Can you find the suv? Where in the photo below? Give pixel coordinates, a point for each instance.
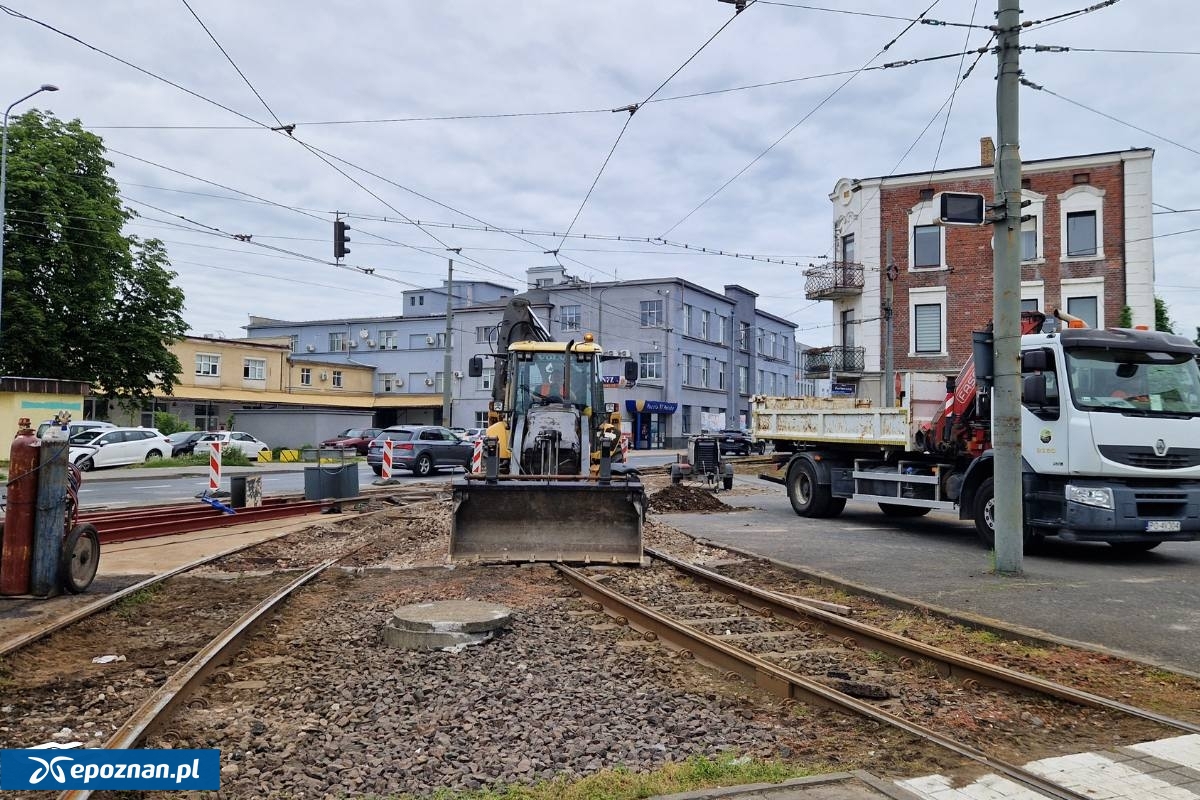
(423, 449)
(739, 441)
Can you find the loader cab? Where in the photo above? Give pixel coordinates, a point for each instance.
(562, 377)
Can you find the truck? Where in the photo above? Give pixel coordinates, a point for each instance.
(554, 485)
(1110, 427)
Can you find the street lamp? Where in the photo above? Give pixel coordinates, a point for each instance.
(45, 87)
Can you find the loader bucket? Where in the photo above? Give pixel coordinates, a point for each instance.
(522, 518)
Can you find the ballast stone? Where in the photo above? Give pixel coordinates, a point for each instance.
(445, 624)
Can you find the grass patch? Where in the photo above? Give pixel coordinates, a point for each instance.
(985, 637)
(697, 772)
(127, 607)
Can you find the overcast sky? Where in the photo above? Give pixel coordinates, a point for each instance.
(320, 61)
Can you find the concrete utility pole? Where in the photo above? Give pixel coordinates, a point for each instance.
(1006, 299)
(447, 375)
(889, 358)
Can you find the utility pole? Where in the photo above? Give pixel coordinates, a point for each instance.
(889, 360)
(1006, 297)
(447, 375)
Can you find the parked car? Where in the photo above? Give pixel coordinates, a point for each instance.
(422, 449)
(473, 434)
(358, 438)
(76, 426)
(236, 439)
(740, 442)
(112, 447)
(183, 443)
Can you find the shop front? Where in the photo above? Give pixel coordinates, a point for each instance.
(651, 420)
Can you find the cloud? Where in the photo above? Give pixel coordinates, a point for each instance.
(319, 61)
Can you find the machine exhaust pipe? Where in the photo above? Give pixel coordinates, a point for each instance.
(1070, 320)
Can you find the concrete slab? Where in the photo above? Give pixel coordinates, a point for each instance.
(446, 624)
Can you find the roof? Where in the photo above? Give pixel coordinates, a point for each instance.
(1024, 163)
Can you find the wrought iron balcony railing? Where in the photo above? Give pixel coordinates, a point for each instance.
(833, 280)
(819, 361)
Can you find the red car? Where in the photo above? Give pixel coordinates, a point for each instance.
(358, 438)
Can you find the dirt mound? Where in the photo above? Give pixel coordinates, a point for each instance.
(680, 497)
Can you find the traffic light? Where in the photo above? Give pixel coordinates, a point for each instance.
(340, 238)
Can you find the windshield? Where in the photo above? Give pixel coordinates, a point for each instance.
(1141, 381)
(541, 379)
(181, 436)
(86, 437)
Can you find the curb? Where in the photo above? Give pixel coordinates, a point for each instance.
(765, 791)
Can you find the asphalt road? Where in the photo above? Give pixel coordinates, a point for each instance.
(1147, 605)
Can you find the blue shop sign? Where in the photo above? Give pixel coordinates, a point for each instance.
(650, 407)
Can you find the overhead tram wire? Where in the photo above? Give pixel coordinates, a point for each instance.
(632, 109)
(802, 120)
(935, 22)
(959, 78)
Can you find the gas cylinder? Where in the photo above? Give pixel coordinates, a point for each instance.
(16, 550)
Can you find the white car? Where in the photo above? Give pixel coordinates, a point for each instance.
(237, 439)
(112, 447)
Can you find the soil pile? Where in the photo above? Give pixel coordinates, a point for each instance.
(680, 497)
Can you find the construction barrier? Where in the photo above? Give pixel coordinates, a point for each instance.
(477, 457)
(387, 460)
(214, 467)
(289, 455)
(624, 446)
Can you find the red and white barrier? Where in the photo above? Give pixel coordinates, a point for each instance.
(214, 467)
(624, 447)
(387, 460)
(477, 457)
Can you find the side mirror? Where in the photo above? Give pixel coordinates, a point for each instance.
(475, 367)
(631, 371)
(1033, 389)
(1034, 361)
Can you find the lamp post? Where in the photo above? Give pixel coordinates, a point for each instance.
(45, 87)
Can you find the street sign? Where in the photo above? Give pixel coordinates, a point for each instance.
(842, 389)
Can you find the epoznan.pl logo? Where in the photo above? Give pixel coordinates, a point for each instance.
(111, 769)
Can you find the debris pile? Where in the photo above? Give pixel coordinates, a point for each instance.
(681, 497)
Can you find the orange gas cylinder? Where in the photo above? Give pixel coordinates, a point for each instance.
(16, 552)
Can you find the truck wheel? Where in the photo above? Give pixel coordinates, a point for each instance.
(808, 497)
(894, 510)
(1134, 547)
(985, 520)
(79, 559)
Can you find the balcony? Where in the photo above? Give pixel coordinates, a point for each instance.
(833, 280)
(821, 360)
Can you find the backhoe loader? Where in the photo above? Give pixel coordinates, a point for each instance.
(553, 487)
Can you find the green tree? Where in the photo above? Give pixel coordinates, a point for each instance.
(1162, 319)
(167, 423)
(1126, 318)
(82, 301)
(1197, 339)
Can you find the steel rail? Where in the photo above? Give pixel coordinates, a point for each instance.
(149, 527)
(785, 683)
(950, 664)
(175, 690)
(84, 611)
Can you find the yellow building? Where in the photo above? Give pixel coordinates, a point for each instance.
(38, 399)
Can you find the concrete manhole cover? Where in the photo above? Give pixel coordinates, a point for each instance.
(446, 624)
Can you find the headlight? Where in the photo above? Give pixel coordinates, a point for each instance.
(1090, 496)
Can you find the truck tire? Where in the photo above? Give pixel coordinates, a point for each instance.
(985, 521)
(894, 510)
(808, 497)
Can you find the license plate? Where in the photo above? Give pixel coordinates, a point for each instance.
(731, 440)
(1163, 526)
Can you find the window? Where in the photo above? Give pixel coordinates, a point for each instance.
(743, 335)
(773, 344)
(650, 365)
(543, 282)
(1030, 304)
(783, 385)
(254, 369)
(722, 329)
(743, 378)
(927, 246)
(1082, 222)
(481, 419)
(293, 343)
(760, 338)
(1086, 308)
(704, 318)
(207, 364)
(484, 382)
(721, 374)
(704, 365)
(761, 383)
(687, 370)
(927, 328)
(388, 340)
(337, 341)
(1029, 239)
(305, 376)
(686, 420)
(848, 327)
(387, 381)
(570, 318)
(1081, 233)
(848, 248)
(652, 313)
(483, 333)
(337, 379)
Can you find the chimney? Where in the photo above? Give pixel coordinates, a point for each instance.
(987, 152)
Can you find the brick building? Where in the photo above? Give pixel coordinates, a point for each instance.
(1085, 249)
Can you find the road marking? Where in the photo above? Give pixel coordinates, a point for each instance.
(154, 486)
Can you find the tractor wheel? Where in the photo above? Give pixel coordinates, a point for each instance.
(79, 559)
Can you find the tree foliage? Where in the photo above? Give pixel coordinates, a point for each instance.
(1162, 319)
(82, 300)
